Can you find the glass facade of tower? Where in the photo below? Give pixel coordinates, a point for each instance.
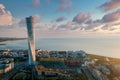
(31, 51)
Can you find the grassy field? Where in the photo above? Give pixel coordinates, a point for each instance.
(104, 60)
(50, 59)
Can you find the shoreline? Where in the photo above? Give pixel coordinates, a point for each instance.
(10, 39)
(2, 44)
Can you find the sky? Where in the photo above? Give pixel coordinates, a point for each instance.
(60, 18)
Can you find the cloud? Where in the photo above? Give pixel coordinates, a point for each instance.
(36, 18)
(69, 26)
(111, 17)
(18, 27)
(5, 16)
(83, 22)
(35, 3)
(110, 5)
(111, 26)
(65, 26)
(60, 19)
(22, 23)
(2, 6)
(107, 22)
(81, 17)
(65, 5)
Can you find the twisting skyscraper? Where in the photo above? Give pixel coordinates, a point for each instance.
(31, 51)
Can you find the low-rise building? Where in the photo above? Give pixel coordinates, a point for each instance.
(104, 69)
(6, 65)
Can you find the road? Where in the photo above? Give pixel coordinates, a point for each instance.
(88, 74)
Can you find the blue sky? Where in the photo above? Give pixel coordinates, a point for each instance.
(61, 18)
(21, 8)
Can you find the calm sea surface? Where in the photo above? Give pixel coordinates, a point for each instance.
(108, 46)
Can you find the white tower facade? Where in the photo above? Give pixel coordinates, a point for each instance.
(31, 44)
